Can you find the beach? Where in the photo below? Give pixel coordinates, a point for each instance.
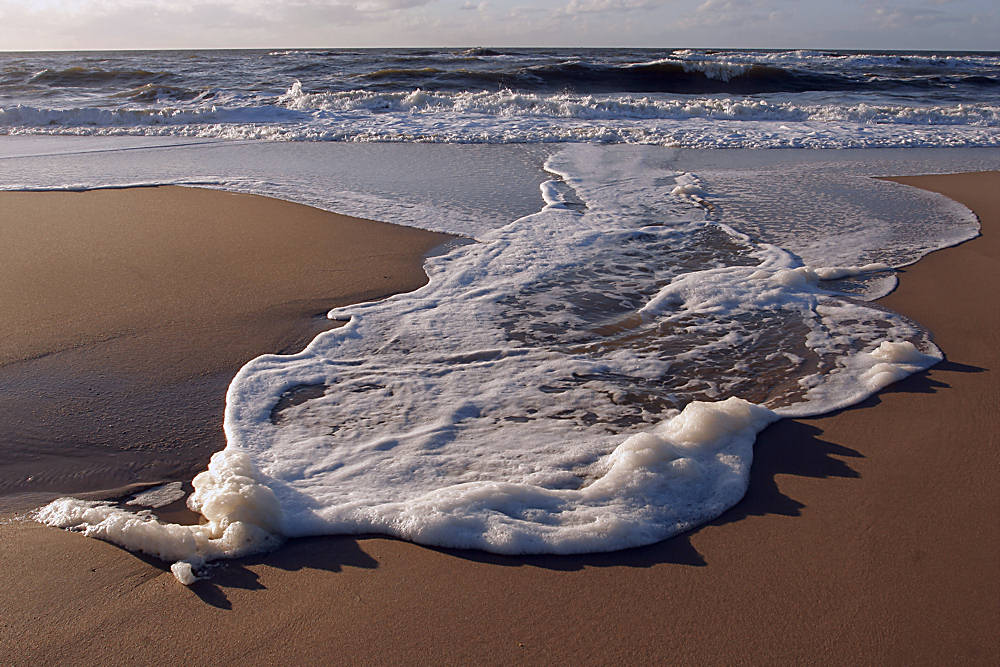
(129, 311)
(866, 536)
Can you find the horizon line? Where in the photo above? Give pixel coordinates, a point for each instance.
(497, 46)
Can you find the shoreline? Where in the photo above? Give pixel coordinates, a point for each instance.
(865, 537)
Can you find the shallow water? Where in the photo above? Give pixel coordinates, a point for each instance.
(528, 398)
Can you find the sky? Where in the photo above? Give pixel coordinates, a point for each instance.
(158, 24)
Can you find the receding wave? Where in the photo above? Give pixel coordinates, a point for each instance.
(571, 384)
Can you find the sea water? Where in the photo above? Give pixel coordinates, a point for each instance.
(591, 373)
(675, 97)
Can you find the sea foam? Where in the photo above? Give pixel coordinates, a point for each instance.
(588, 378)
(517, 116)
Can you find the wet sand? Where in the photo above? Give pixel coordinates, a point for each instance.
(867, 537)
(127, 312)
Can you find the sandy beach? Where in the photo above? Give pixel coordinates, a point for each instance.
(127, 313)
(867, 536)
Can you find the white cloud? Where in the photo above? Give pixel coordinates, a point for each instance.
(740, 14)
(111, 24)
(601, 6)
(903, 15)
(381, 5)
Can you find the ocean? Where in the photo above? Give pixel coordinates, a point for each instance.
(668, 97)
(673, 249)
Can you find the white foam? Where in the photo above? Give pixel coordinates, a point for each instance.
(184, 572)
(860, 375)
(838, 272)
(894, 361)
(506, 116)
(242, 516)
(690, 187)
(571, 383)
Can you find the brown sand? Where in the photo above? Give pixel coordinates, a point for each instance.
(127, 312)
(867, 537)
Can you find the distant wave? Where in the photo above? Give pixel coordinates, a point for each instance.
(481, 52)
(85, 76)
(152, 92)
(662, 76)
(666, 75)
(401, 73)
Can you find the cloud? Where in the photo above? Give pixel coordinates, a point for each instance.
(732, 13)
(122, 24)
(113, 24)
(900, 16)
(681, 14)
(338, 8)
(602, 6)
(381, 5)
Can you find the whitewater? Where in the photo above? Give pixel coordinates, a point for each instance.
(587, 378)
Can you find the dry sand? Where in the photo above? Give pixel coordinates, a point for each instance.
(867, 537)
